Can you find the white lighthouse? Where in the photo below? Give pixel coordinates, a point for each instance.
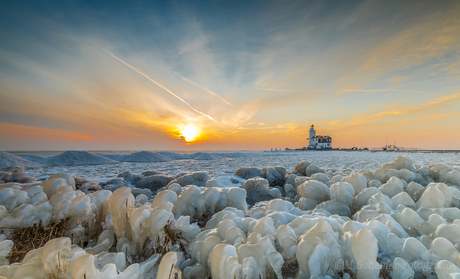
(318, 142)
(312, 135)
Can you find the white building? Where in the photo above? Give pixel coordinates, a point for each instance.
(318, 142)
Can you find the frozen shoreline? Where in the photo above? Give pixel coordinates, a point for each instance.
(308, 213)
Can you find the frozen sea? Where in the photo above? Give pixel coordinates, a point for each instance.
(226, 163)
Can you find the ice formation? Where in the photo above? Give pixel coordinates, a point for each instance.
(307, 222)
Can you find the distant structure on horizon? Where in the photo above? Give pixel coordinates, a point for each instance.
(318, 142)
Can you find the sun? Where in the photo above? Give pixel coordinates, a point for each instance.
(189, 132)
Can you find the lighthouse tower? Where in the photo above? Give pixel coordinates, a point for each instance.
(311, 143)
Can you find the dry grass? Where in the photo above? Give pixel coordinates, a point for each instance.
(30, 238)
(202, 221)
(385, 271)
(171, 237)
(346, 270)
(60, 268)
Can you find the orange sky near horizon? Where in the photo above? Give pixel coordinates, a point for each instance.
(219, 78)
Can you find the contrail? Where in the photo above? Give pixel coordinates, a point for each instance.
(205, 89)
(149, 78)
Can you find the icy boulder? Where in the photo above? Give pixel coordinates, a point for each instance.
(166, 269)
(11, 198)
(54, 184)
(452, 177)
(302, 166)
(415, 190)
(199, 201)
(362, 198)
(443, 249)
(315, 190)
(16, 174)
(114, 184)
(318, 251)
(365, 249)
(248, 173)
(259, 260)
(436, 169)
(275, 176)
(121, 204)
(393, 187)
(448, 231)
(320, 177)
(224, 262)
(312, 169)
(258, 189)
(404, 162)
(402, 269)
(342, 191)
(447, 270)
(131, 177)
(198, 178)
(358, 181)
(435, 196)
(154, 182)
(404, 199)
(335, 207)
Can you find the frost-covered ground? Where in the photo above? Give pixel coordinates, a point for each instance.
(282, 214)
(228, 163)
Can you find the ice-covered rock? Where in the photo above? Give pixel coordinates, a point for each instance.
(199, 201)
(154, 182)
(335, 207)
(318, 251)
(436, 196)
(315, 190)
(198, 178)
(404, 162)
(248, 173)
(312, 169)
(402, 198)
(342, 191)
(258, 189)
(365, 249)
(402, 269)
(302, 166)
(275, 176)
(393, 187)
(358, 181)
(121, 204)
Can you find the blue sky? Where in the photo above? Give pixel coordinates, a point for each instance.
(244, 75)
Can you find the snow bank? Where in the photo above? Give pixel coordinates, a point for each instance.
(71, 158)
(146, 156)
(8, 159)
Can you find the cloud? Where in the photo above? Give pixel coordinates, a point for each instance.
(433, 37)
(453, 68)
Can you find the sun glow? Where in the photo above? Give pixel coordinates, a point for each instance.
(189, 132)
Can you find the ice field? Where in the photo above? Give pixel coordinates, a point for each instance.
(308, 214)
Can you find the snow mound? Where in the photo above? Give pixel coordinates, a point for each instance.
(146, 156)
(8, 159)
(207, 156)
(72, 158)
(32, 158)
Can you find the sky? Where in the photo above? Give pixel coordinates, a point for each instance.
(228, 75)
